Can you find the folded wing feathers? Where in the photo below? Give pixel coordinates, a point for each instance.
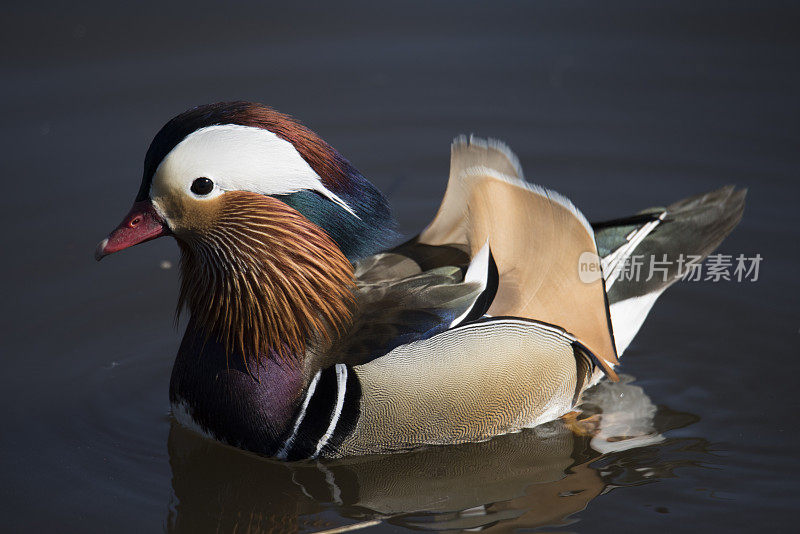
(386, 266)
(392, 312)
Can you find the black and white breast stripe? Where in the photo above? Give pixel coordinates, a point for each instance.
(490, 283)
(328, 413)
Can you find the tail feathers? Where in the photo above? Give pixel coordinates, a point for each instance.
(645, 254)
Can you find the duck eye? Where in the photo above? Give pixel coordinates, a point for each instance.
(202, 186)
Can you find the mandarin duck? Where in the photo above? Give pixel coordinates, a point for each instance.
(313, 334)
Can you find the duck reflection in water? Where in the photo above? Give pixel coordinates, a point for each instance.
(537, 477)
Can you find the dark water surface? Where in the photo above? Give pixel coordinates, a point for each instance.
(617, 106)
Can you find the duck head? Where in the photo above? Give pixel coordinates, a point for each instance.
(268, 218)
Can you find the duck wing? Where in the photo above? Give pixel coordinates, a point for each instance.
(397, 302)
(516, 360)
(538, 238)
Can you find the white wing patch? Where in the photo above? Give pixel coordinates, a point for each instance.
(240, 158)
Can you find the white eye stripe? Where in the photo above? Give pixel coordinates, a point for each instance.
(240, 158)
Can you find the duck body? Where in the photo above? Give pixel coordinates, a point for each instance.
(311, 336)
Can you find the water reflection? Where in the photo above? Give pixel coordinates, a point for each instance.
(538, 477)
